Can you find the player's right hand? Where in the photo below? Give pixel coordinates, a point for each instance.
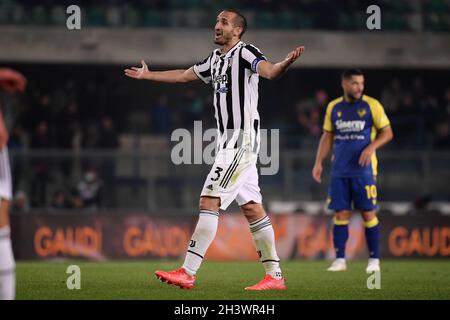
(317, 173)
(138, 73)
(12, 81)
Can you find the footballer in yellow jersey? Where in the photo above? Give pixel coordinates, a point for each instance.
(355, 126)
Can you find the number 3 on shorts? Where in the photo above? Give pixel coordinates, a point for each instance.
(371, 191)
(218, 171)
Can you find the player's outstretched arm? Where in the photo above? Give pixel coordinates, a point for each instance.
(271, 71)
(171, 76)
(325, 145)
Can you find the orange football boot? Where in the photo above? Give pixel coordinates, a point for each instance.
(177, 277)
(268, 283)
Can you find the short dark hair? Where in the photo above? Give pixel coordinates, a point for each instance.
(349, 73)
(239, 20)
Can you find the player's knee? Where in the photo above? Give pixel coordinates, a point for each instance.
(368, 215)
(342, 216)
(253, 211)
(209, 203)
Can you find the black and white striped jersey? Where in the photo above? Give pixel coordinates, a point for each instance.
(234, 80)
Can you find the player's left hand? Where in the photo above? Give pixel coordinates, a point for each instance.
(294, 54)
(12, 81)
(366, 156)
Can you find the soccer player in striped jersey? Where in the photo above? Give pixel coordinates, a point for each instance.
(11, 82)
(233, 70)
(355, 127)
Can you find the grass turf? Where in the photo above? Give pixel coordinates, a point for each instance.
(400, 279)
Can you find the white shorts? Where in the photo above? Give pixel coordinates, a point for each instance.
(5, 175)
(233, 176)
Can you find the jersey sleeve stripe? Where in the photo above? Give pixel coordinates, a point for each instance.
(255, 51)
(202, 70)
(248, 55)
(205, 80)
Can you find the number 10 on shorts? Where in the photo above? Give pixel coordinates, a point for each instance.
(371, 192)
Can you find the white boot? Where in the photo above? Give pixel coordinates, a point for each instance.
(373, 265)
(338, 265)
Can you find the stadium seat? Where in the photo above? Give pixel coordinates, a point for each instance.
(39, 15)
(131, 17)
(58, 15)
(265, 20)
(304, 21)
(113, 16)
(152, 18)
(95, 16)
(286, 20)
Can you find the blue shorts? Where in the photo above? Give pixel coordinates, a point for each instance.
(359, 191)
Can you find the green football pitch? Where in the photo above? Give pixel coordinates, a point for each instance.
(400, 279)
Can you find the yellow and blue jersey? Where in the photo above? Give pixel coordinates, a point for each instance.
(354, 126)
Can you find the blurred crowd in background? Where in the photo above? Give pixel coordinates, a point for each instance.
(400, 15)
(420, 119)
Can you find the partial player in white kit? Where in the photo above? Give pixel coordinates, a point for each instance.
(233, 70)
(5, 170)
(7, 264)
(11, 82)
